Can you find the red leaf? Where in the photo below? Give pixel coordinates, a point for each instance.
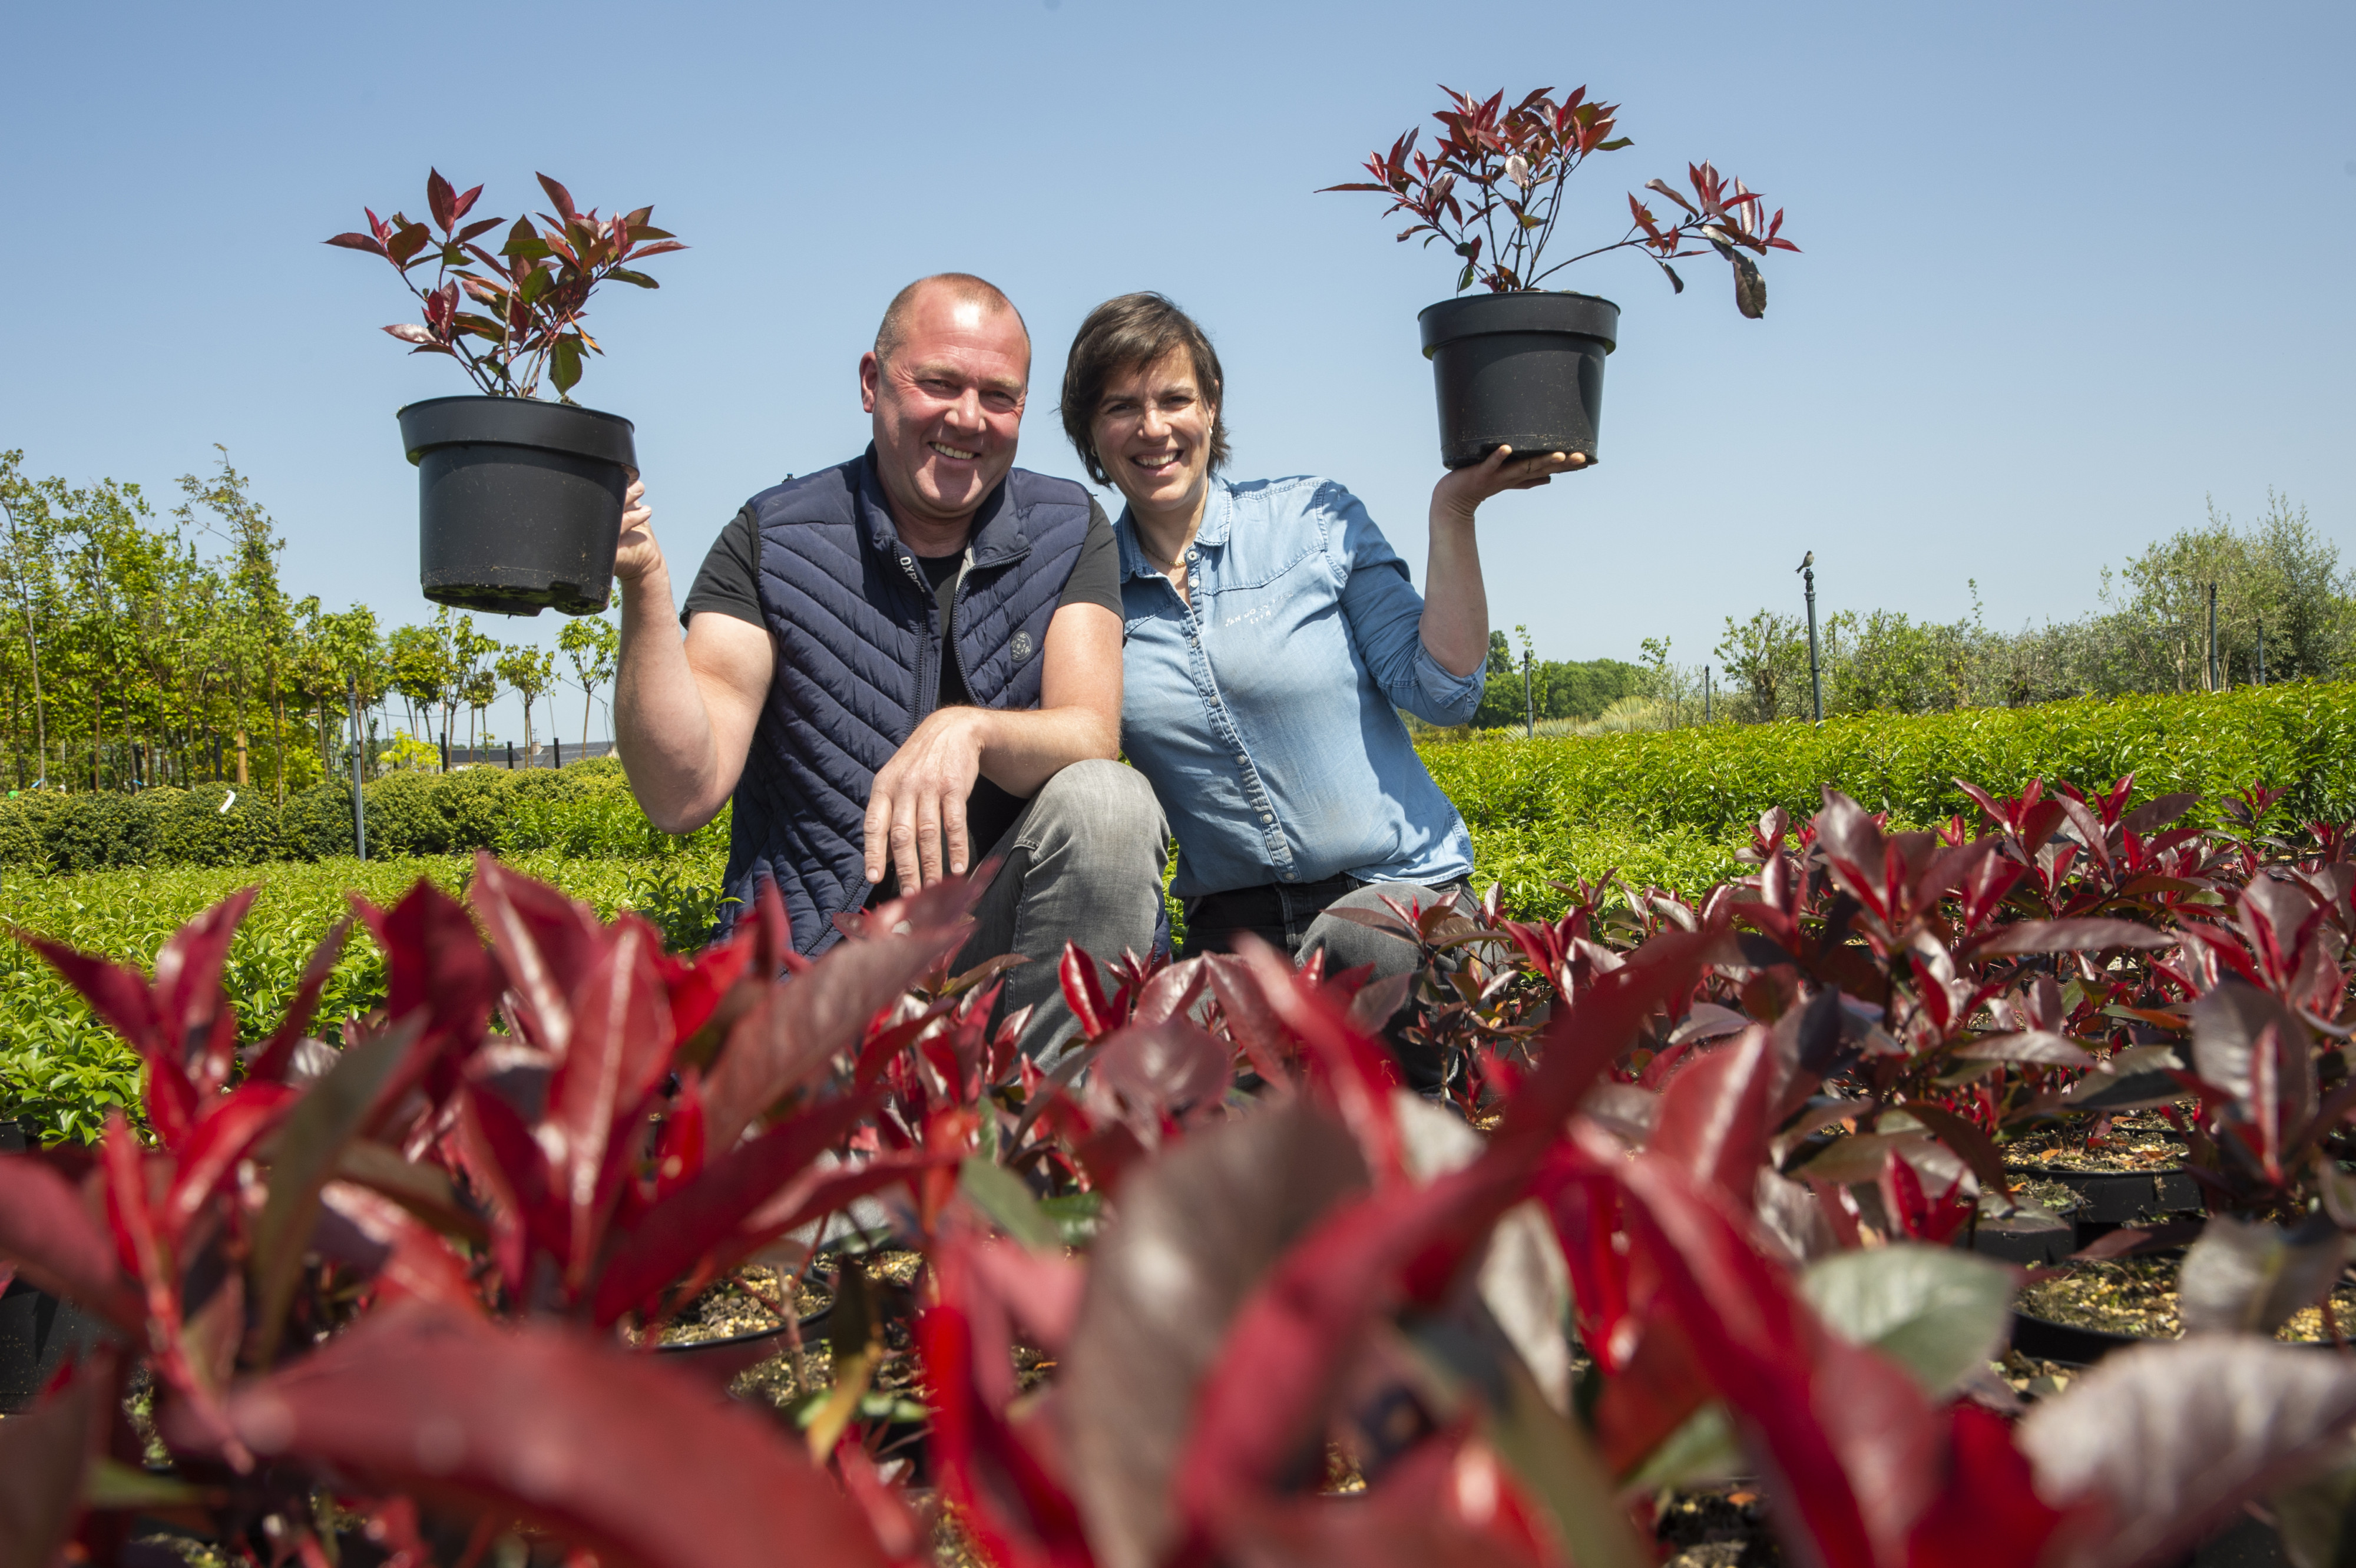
(1714, 1118)
(798, 1026)
(2071, 935)
(1988, 1511)
(678, 1229)
(562, 197)
(465, 204)
(1021, 1513)
(1851, 1434)
(1263, 1405)
(545, 942)
(411, 1259)
(607, 1449)
(270, 1065)
(48, 1232)
(441, 200)
(45, 1453)
(121, 998)
(619, 1050)
(1085, 991)
(1354, 1065)
(368, 243)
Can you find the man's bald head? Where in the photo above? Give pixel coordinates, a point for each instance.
(951, 288)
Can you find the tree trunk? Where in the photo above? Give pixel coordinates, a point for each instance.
(241, 751)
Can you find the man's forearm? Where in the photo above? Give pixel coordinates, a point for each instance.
(660, 724)
(1021, 751)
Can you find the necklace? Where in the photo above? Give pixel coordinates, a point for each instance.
(1170, 564)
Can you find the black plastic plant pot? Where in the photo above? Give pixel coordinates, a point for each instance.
(1518, 369)
(38, 1330)
(2107, 1199)
(519, 502)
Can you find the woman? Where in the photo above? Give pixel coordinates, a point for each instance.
(1272, 635)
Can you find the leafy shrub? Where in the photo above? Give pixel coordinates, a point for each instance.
(583, 809)
(1535, 799)
(393, 1301)
(62, 1070)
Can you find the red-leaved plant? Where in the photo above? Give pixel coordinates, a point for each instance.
(397, 1299)
(532, 294)
(1492, 188)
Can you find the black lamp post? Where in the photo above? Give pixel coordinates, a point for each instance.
(359, 809)
(2213, 637)
(1807, 570)
(1529, 705)
(1704, 694)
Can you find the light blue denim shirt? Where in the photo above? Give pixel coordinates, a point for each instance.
(1266, 716)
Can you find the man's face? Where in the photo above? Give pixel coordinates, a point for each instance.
(947, 407)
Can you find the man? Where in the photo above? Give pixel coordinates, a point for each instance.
(905, 664)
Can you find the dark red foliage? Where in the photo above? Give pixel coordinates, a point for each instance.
(1218, 1252)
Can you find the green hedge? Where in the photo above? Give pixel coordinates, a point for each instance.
(1670, 807)
(583, 809)
(62, 1070)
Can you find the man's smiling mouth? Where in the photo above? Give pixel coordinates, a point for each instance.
(956, 454)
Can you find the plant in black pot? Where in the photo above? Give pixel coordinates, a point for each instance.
(520, 500)
(1523, 364)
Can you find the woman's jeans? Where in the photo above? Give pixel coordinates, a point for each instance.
(1296, 918)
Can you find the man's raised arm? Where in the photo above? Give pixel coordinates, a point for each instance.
(683, 710)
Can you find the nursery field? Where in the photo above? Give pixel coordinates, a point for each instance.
(116, 874)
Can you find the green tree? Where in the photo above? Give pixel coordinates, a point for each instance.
(593, 644)
(528, 672)
(1766, 663)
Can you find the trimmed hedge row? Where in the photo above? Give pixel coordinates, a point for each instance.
(1714, 780)
(582, 809)
(62, 1070)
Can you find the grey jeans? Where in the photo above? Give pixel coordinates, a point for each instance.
(1083, 863)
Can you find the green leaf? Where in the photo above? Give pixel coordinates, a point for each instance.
(1000, 1194)
(112, 1484)
(1938, 1312)
(1076, 1215)
(1615, 144)
(1703, 1449)
(564, 364)
(623, 274)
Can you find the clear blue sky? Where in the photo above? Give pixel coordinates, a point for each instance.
(2068, 269)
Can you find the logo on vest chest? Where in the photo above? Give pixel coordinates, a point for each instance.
(1020, 647)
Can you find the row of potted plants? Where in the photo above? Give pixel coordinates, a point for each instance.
(1217, 1289)
(520, 501)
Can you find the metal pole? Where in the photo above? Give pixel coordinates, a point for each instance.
(359, 809)
(556, 749)
(1815, 676)
(1529, 706)
(445, 749)
(2213, 637)
(2262, 653)
(1704, 694)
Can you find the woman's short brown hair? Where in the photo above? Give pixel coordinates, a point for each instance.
(1129, 334)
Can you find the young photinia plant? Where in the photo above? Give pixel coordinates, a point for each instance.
(533, 292)
(1492, 190)
(394, 1301)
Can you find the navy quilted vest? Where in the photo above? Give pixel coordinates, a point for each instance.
(858, 638)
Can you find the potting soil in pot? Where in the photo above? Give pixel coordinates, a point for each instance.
(2134, 1140)
(2137, 1296)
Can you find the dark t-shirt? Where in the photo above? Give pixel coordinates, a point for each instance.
(728, 583)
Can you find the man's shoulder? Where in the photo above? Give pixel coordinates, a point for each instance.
(1032, 489)
(823, 495)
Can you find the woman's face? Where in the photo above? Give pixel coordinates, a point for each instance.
(1153, 434)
